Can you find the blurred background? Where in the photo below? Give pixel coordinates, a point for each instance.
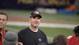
(59, 16)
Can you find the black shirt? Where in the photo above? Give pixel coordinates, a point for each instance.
(28, 37)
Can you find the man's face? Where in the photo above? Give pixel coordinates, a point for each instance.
(3, 20)
(35, 21)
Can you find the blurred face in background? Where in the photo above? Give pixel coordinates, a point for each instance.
(3, 20)
(35, 21)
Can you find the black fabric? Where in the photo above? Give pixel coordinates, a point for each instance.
(0, 36)
(27, 37)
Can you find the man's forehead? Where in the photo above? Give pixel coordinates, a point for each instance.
(2, 15)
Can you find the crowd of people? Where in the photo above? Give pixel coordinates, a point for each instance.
(32, 35)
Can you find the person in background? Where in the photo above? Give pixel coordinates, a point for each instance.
(11, 38)
(74, 39)
(32, 35)
(3, 21)
(59, 40)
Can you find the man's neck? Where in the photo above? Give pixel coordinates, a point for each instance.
(33, 29)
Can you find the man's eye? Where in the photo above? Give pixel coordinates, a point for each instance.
(2, 19)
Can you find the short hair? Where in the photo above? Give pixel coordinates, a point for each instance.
(76, 30)
(2, 13)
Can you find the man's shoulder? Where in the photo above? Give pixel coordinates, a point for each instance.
(69, 37)
(42, 32)
(72, 38)
(24, 30)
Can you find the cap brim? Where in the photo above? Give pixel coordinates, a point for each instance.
(36, 15)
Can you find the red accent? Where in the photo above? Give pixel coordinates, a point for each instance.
(73, 40)
(71, 7)
(3, 35)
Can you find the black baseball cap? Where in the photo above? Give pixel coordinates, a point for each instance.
(35, 14)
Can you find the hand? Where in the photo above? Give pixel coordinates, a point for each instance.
(20, 43)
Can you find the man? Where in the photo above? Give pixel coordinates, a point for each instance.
(32, 35)
(74, 39)
(3, 21)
